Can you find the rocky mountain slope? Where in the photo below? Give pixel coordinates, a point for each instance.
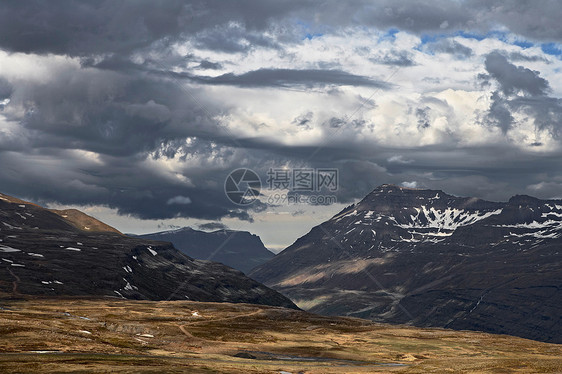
(47, 254)
(238, 249)
(431, 259)
(83, 221)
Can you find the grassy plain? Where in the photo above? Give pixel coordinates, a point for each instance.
(124, 336)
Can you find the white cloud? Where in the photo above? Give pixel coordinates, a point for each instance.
(183, 200)
(399, 159)
(412, 184)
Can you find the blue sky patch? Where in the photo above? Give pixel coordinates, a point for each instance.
(523, 44)
(310, 36)
(552, 49)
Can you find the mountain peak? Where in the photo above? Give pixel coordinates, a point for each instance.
(14, 200)
(523, 199)
(74, 217)
(401, 195)
(241, 250)
(84, 222)
(389, 188)
(395, 187)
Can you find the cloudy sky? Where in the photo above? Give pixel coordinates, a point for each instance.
(136, 111)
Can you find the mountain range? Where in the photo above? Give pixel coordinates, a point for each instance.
(68, 253)
(400, 255)
(427, 258)
(238, 249)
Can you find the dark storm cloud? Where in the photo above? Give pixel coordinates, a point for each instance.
(206, 64)
(133, 113)
(545, 111)
(212, 226)
(265, 77)
(546, 189)
(107, 113)
(451, 47)
(494, 172)
(521, 90)
(422, 115)
(416, 16)
(126, 185)
(304, 120)
(232, 39)
(336, 123)
(88, 27)
(95, 27)
(499, 114)
(514, 78)
(396, 58)
(537, 20)
(6, 89)
(517, 56)
(130, 121)
(288, 78)
(81, 28)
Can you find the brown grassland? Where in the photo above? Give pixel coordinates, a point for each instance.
(124, 336)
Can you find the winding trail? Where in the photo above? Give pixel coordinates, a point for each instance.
(15, 282)
(210, 320)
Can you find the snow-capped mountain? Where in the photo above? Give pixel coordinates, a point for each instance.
(428, 258)
(392, 216)
(238, 249)
(68, 253)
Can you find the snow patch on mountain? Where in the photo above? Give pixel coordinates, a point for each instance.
(448, 219)
(7, 249)
(536, 225)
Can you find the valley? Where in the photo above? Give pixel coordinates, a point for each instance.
(77, 295)
(126, 336)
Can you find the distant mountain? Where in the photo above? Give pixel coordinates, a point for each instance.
(430, 259)
(71, 254)
(238, 249)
